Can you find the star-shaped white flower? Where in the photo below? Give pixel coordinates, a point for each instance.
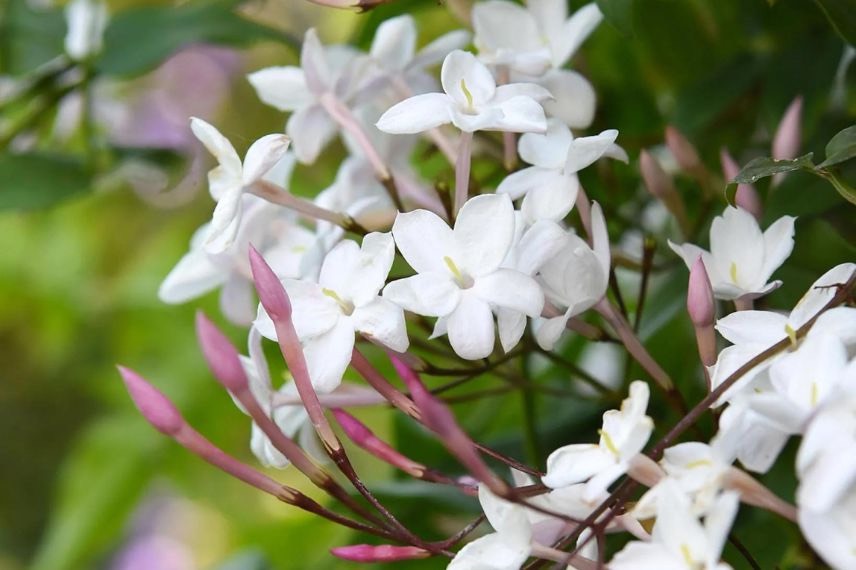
(459, 273)
(741, 258)
(231, 177)
(549, 188)
(679, 540)
(576, 278)
(471, 101)
(625, 432)
(345, 300)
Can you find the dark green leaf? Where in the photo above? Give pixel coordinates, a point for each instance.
(33, 180)
(842, 147)
(139, 39)
(619, 13)
(842, 16)
(764, 166)
(29, 37)
(846, 191)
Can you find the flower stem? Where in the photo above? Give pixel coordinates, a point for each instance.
(462, 171)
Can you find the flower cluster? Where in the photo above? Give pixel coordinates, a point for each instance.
(484, 261)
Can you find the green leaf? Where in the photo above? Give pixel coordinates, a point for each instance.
(764, 166)
(619, 13)
(139, 39)
(29, 37)
(840, 148)
(842, 16)
(100, 485)
(34, 180)
(846, 191)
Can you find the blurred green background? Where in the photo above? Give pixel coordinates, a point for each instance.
(85, 483)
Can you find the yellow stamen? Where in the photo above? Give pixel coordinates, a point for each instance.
(698, 463)
(792, 334)
(733, 272)
(688, 558)
(467, 93)
(346, 307)
(607, 441)
(453, 268)
(814, 395)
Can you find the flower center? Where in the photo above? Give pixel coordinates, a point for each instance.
(347, 307)
(733, 272)
(608, 442)
(688, 558)
(814, 394)
(698, 463)
(467, 95)
(464, 281)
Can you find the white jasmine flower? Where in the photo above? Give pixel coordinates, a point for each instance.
(505, 549)
(576, 279)
(472, 102)
(533, 39)
(741, 258)
(679, 540)
(86, 20)
(334, 71)
(228, 181)
(624, 434)
(549, 188)
(459, 272)
(345, 300)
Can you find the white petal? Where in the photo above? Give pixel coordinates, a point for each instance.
(237, 301)
(328, 356)
(752, 327)
(586, 150)
(313, 313)
(313, 60)
(508, 519)
(542, 241)
(382, 321)
(470, 328)
(522, 114)
(510, 289)
(600, 237)
(225, 221)
(646, 556)
(483, 233)
(531, 90)
(517, 184)
(262, 156)
(358, 274)
(574, 464)
(551, 201)
(437, 50)
(830, 535)
(394, 42)
(310, 129)
(511, 325)
(429, 294)
(282, 87)
(548, 331)
(194, 275)
(217, 145)
(416, 114)
(778, 244)
(424, 239)
(573, 100)
(504, 26)
(737, 247)
(574, 33)
(462, 75)
(548, 150)
(820, 293)
(718, 522)
(493, 551)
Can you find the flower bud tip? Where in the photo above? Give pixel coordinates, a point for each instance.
(271, 292)
(152, 403)
(700, 303)
(221, 355)
(682, 149)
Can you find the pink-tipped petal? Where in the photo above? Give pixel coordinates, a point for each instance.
(786, 142)
(152, 403)
(747, 196)
(700, 303)
(682, 149)
(221, 355)
(378, 553)
(270, 289)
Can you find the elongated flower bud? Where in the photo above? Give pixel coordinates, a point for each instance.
(221, 355)
(747, 196)
(152, 403)
(700, 303)
(268, 286)
(786, 142)
(363, 436)
(378, 553)
(683, 150)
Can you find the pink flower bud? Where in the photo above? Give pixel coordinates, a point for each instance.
(786, 142)
(363, 436)
(270, 289)
(682, 149)
(152, 403)
(221, 355)
(746, 197)
(700, 303)
(378, 553)
(657, 182)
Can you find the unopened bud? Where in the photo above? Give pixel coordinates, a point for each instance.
(747, 196)
(700, 303)
(683, 150)
(378, 553)
(786, 142)
(152, 403)
(645, 470)
(221, 355)
(363, 436)
(271, 292)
